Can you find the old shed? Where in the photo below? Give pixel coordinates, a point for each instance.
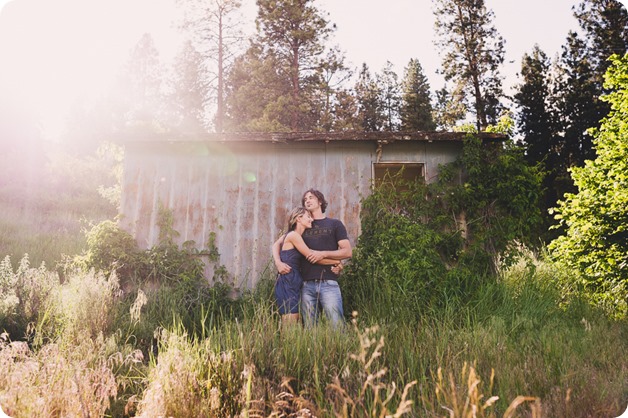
(241, 186)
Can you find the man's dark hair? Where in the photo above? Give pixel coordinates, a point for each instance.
(319, 196)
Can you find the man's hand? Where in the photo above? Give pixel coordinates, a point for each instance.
(315, 256)
(283, 268)
(337, 269)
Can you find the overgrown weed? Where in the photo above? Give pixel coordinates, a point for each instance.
(372, 396)
(83, 306)
(461, 396)
(57, 381)
(190, 379)
(536, 344)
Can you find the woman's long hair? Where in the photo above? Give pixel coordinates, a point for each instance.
(294, 214)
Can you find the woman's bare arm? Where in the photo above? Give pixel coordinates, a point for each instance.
(282, 267)
(296, 240)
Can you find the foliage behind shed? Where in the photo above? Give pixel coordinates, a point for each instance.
(241, 187)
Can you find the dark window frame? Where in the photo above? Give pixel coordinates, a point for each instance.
(412, 170)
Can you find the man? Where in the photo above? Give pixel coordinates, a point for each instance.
(327, 239)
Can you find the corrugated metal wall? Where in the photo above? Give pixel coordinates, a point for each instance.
(243, 191)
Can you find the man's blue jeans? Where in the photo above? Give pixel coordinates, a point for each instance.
(323, 294)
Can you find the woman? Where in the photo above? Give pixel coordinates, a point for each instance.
(292, 252)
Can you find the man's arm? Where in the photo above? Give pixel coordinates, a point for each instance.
(343, 252)
(282, 267)
(297, 240)
(345, 249)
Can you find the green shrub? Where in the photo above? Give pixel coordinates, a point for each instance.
(109, 249)
(595, 220)
(425, 246)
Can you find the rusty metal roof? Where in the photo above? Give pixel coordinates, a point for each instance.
(286, 137)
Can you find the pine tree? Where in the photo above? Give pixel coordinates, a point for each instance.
(583, 64)
(139, 96)
(189, 91)
(416, 107)
(253, 86)
(390, 88)
(556, 130)
(449, 108)
(537, 126)
(214, 27)
(286, 70)
(368, 96)
(605, 23)
(345, 116)
(534, 118)
(473, 53)
(578, 105)
(330, 97)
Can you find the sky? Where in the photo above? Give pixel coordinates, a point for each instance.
(52, 51)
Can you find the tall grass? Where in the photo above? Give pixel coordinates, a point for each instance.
(521, 346)
(47, 201)
(71, 363)
(53, 381)
(518, 349)
(23, 233)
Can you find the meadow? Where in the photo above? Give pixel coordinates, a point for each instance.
(142, 342)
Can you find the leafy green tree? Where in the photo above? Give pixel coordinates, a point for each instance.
(416, 106)
(287, 70)
(368, 94)
(498, 199)
(596, 217)
(473, 52)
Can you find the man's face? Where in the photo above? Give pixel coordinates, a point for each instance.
(311, 202)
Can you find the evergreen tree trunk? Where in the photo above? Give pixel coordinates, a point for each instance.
(220, 93)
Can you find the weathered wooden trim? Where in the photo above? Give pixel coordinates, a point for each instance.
(287, 137)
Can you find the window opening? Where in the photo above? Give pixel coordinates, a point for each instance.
(397, 172)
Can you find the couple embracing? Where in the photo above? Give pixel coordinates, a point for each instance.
(308, 259)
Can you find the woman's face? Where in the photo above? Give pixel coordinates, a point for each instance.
(305, 220)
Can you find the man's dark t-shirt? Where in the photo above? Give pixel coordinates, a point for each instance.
(323, 236)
